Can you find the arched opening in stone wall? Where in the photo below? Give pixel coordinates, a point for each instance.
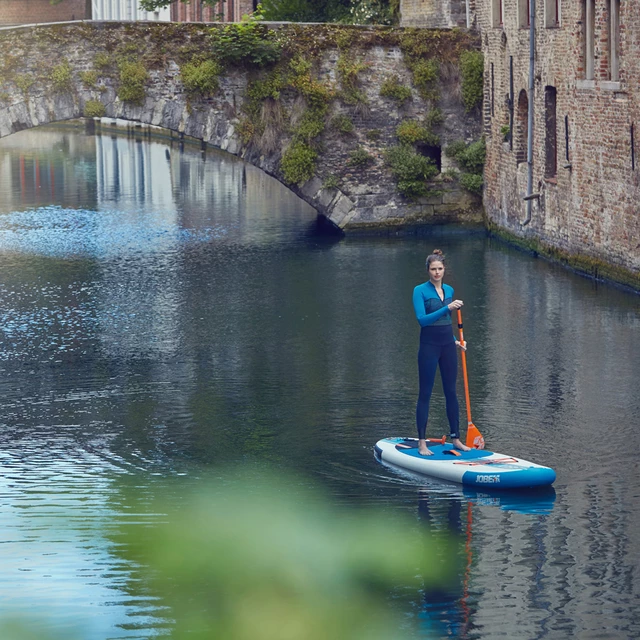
(95, 177)
(521, 133)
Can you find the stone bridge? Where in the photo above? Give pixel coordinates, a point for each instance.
(322, 108)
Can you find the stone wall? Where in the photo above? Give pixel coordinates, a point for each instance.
(33, 11)
(354, 196)
(436, 13)
(587, 212)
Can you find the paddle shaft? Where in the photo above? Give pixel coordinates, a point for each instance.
(464, 369)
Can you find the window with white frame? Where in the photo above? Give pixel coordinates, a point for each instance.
(589, 16)
(614, 40)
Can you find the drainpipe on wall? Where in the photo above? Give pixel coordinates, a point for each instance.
(532, 46)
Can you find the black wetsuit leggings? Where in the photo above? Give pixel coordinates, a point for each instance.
(429, 357)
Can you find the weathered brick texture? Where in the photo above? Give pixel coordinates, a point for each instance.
(33, 11)
(591, 208)
(196, 11)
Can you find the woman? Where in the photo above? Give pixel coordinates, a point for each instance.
(433, 303)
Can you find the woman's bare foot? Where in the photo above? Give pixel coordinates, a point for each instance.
(423, 450)
(458, 445)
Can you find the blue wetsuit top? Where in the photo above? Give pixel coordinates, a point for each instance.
(433, 313)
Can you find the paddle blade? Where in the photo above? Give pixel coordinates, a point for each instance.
(474, 437)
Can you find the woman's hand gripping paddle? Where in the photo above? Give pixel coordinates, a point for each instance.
(474, 437)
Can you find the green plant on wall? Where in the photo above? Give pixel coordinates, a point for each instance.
(246, 42)
(394, 89)
(94, 109)
(472, 72)
(471, 159)
(201, 76)
(298, 163)
(24, 82)
(411, 132)
(133, 77)
(89, 78)
(360, 158)
(348, 69)
(411, 170)
(61, 77)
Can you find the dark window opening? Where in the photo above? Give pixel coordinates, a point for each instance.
(522, 127)
(551, 134)
(433, 153)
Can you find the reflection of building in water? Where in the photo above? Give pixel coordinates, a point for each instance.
(45, 166)
(131, 173)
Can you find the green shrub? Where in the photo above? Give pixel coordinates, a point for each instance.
(24, 82)
(454, 148)
(348, 70)
(472, 72)
(434, 118)
(101, 61)
(89, 78)
(246, 42)
(342, 123)
(472, 158)
(94, 109)
(311, 124)
(392, 88)
(425, 77)
(201, 77)
(410, 132)
(133, 76)
(331, 182)
(410, 169)
(360, 158)
(374, 134)
(472, 182)
(61, 77)
(298, 163)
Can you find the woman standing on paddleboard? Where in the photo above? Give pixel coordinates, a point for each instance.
(433, 303)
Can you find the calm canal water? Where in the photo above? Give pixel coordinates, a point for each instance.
(167, 311)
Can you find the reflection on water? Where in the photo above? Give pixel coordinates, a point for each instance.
(167, 311)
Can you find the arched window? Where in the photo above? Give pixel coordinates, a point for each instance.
(522, 123)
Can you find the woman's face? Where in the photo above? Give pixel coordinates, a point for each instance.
(436, 271)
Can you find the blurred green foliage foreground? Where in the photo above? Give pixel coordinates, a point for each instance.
(265, 559)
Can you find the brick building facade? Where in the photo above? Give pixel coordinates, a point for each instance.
(33, 11)
(585, 188)
(224, 11)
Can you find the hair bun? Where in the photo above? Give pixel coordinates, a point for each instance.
(436, 252)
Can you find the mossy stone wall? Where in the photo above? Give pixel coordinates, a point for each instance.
(302, 102)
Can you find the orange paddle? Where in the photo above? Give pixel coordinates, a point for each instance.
(474, 437)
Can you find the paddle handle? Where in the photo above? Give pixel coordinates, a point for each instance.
(464, 369)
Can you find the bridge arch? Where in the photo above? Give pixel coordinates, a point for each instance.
(70, 70)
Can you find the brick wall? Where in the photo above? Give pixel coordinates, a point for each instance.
(32, 11)
(195, 11)
(590, 209)
(435, 13)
